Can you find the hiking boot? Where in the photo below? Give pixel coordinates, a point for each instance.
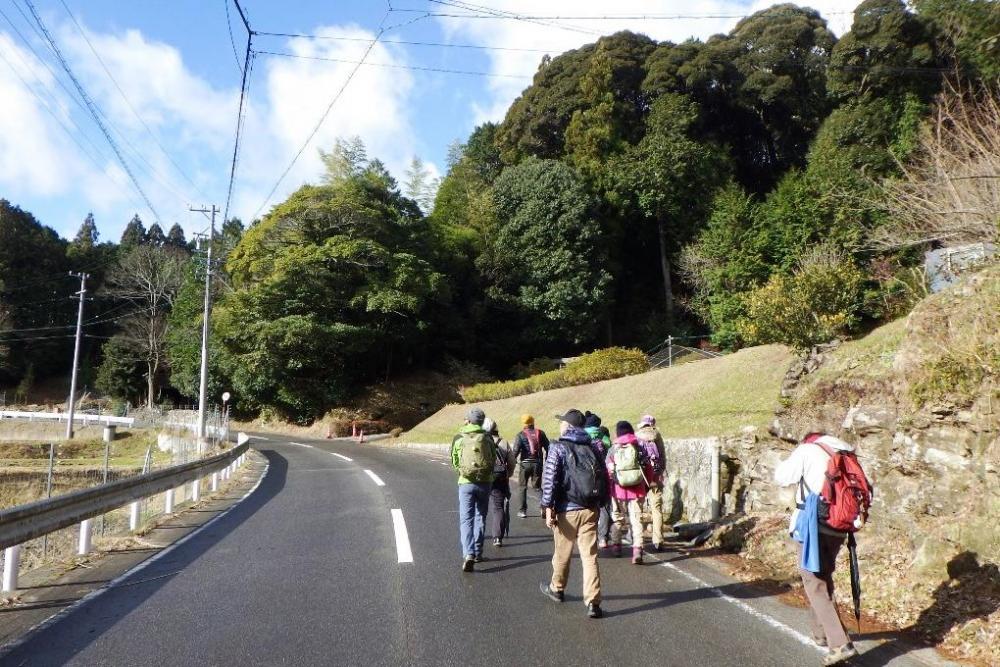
(657, 547)
(468, 564)
(616, 550)
(555, 596)
(637, 555)
(522, 515)
(497, 542)
(594, 610)
(839, 655)
(479, 558)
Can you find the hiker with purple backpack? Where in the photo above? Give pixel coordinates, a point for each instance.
(530, 448)
(651, 444)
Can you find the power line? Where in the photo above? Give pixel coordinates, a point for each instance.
(91, 107)
(503, 14)
(244, 84)
(417, 68)
(326, 113)
(340, 38)
(128, 102)
(232, 40)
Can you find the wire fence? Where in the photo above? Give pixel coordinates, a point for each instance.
(32, 471)
(672, 352)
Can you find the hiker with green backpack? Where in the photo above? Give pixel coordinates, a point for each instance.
(473, 455)
(625, 463)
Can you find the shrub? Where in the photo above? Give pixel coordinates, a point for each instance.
(607, 364)
(818, 302)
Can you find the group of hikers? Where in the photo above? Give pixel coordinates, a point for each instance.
(594, 485)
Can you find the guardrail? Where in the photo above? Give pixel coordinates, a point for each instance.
(25, 522)
(63, 416)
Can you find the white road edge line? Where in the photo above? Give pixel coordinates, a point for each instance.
(341, 456)
(260, 437)
(299, 444)
(375, 478)
(770, 620)
(403, 552)
(11, 646)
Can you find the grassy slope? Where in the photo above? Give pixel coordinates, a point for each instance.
(711, 397)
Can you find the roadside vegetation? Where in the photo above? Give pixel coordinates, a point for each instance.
(772, 184)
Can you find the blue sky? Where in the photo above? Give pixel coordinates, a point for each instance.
(174, 117)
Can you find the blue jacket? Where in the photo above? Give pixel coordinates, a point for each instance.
(553, 493)
(807, 533)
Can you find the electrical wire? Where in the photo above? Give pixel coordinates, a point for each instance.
(339, 38)
(326, 113)
(232, 40)
(439, 70)
(128, 102)
(91, 106)
(240, 111)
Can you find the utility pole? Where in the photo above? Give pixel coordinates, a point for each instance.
(76, 351)
(203, 391)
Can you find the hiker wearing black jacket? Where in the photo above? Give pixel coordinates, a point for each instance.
(530, 447)
(574, 485)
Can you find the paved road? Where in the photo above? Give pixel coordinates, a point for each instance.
(306, 572)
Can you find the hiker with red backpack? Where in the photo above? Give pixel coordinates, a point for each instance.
(530, 447)
(832, 499)
(499, 517)
(473, 455)
(625, 462)
(574, 485)
(651, 443)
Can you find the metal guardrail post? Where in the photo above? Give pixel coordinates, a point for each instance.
(133, 516)
(86, 534)
(215, 482)
(196, 490)
(716, 485)
(168, 501)
(11, 564)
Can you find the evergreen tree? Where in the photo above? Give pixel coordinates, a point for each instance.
(134, 234)
(175, 237)
(155, 236)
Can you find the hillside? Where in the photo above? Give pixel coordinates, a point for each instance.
(711, 397)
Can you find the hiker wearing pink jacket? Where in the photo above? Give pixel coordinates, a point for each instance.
(626, 471)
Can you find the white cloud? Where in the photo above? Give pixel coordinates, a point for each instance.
(556, 37)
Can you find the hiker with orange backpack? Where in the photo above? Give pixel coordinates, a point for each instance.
(530, 447)
(832, 499)
(625, 463)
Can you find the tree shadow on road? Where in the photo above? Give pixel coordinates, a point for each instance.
(971, 592)
(71, 633)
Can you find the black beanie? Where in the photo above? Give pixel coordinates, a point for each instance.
(621, 428)
(592, 420)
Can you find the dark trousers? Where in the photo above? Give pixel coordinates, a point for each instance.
(818, 587)
(604, 523)
(526, 477)
(498, 508)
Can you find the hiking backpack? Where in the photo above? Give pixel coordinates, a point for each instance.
(534, 441)
(500, 463)
(627, 470)
(584, 479)
(475, 456)
(846, 496)
(652, 453)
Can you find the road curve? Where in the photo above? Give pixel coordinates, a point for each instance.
(307, 571)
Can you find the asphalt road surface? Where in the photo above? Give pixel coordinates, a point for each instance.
(307, 571)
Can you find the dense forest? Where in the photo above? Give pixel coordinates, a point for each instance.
(760, 186)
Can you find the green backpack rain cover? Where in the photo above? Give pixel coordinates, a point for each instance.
(475, 457)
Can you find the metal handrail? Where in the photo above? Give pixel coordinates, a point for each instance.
(31, 520)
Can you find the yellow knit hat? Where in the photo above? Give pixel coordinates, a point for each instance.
(527, 420)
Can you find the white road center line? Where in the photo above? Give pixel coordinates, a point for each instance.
(773, 622)
(403, 552)
(375, 478)
(341, 456)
